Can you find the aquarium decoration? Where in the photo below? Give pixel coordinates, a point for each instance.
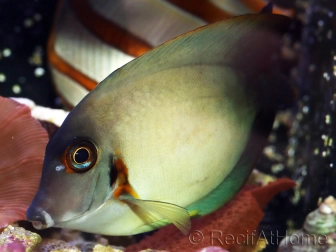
(23, 141)
(318, 232)
(17, 239)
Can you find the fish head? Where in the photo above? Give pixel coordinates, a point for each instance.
(72, 183)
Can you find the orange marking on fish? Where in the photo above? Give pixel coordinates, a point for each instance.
(108, 31)
(123, 184)
(67, 168)
(208, 11)
(65, 162)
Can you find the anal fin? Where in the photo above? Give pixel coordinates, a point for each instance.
(155, 212)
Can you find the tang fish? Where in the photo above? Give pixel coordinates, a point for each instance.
(171, 135)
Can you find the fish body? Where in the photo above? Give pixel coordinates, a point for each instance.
(172, 134)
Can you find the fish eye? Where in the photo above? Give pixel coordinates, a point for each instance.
(82, 156)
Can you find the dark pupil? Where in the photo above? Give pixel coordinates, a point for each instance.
(81, 155)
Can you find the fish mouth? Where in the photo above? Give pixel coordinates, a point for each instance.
(43, 220)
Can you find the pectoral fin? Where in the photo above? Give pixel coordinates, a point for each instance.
(155, 212)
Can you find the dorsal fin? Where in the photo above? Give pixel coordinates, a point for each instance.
(245, 43)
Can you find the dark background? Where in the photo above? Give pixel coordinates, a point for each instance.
(24, 29)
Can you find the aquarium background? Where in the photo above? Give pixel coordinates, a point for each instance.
(24, 30)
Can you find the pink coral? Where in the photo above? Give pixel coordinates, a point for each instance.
(15, 246)
(23, 142)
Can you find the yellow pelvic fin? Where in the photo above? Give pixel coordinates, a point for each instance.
(154, 211)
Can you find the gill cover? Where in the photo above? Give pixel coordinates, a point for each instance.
(173, 133)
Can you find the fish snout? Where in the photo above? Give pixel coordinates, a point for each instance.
(39, 218)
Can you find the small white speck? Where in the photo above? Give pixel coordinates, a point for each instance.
(2, 77)
(277, 168)
(299, 116)
(37, 16)
(320, 23)
(304, 172)
(293, 141)
(312, 67)
(305, 109)
(329, 34)
(7, 52)
(59, 167)
(330, 143)
(28, 22)
(326, 76)
(16, 89)
(39, 72)
(291, 152)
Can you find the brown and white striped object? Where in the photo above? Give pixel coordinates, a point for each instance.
(92, 38)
